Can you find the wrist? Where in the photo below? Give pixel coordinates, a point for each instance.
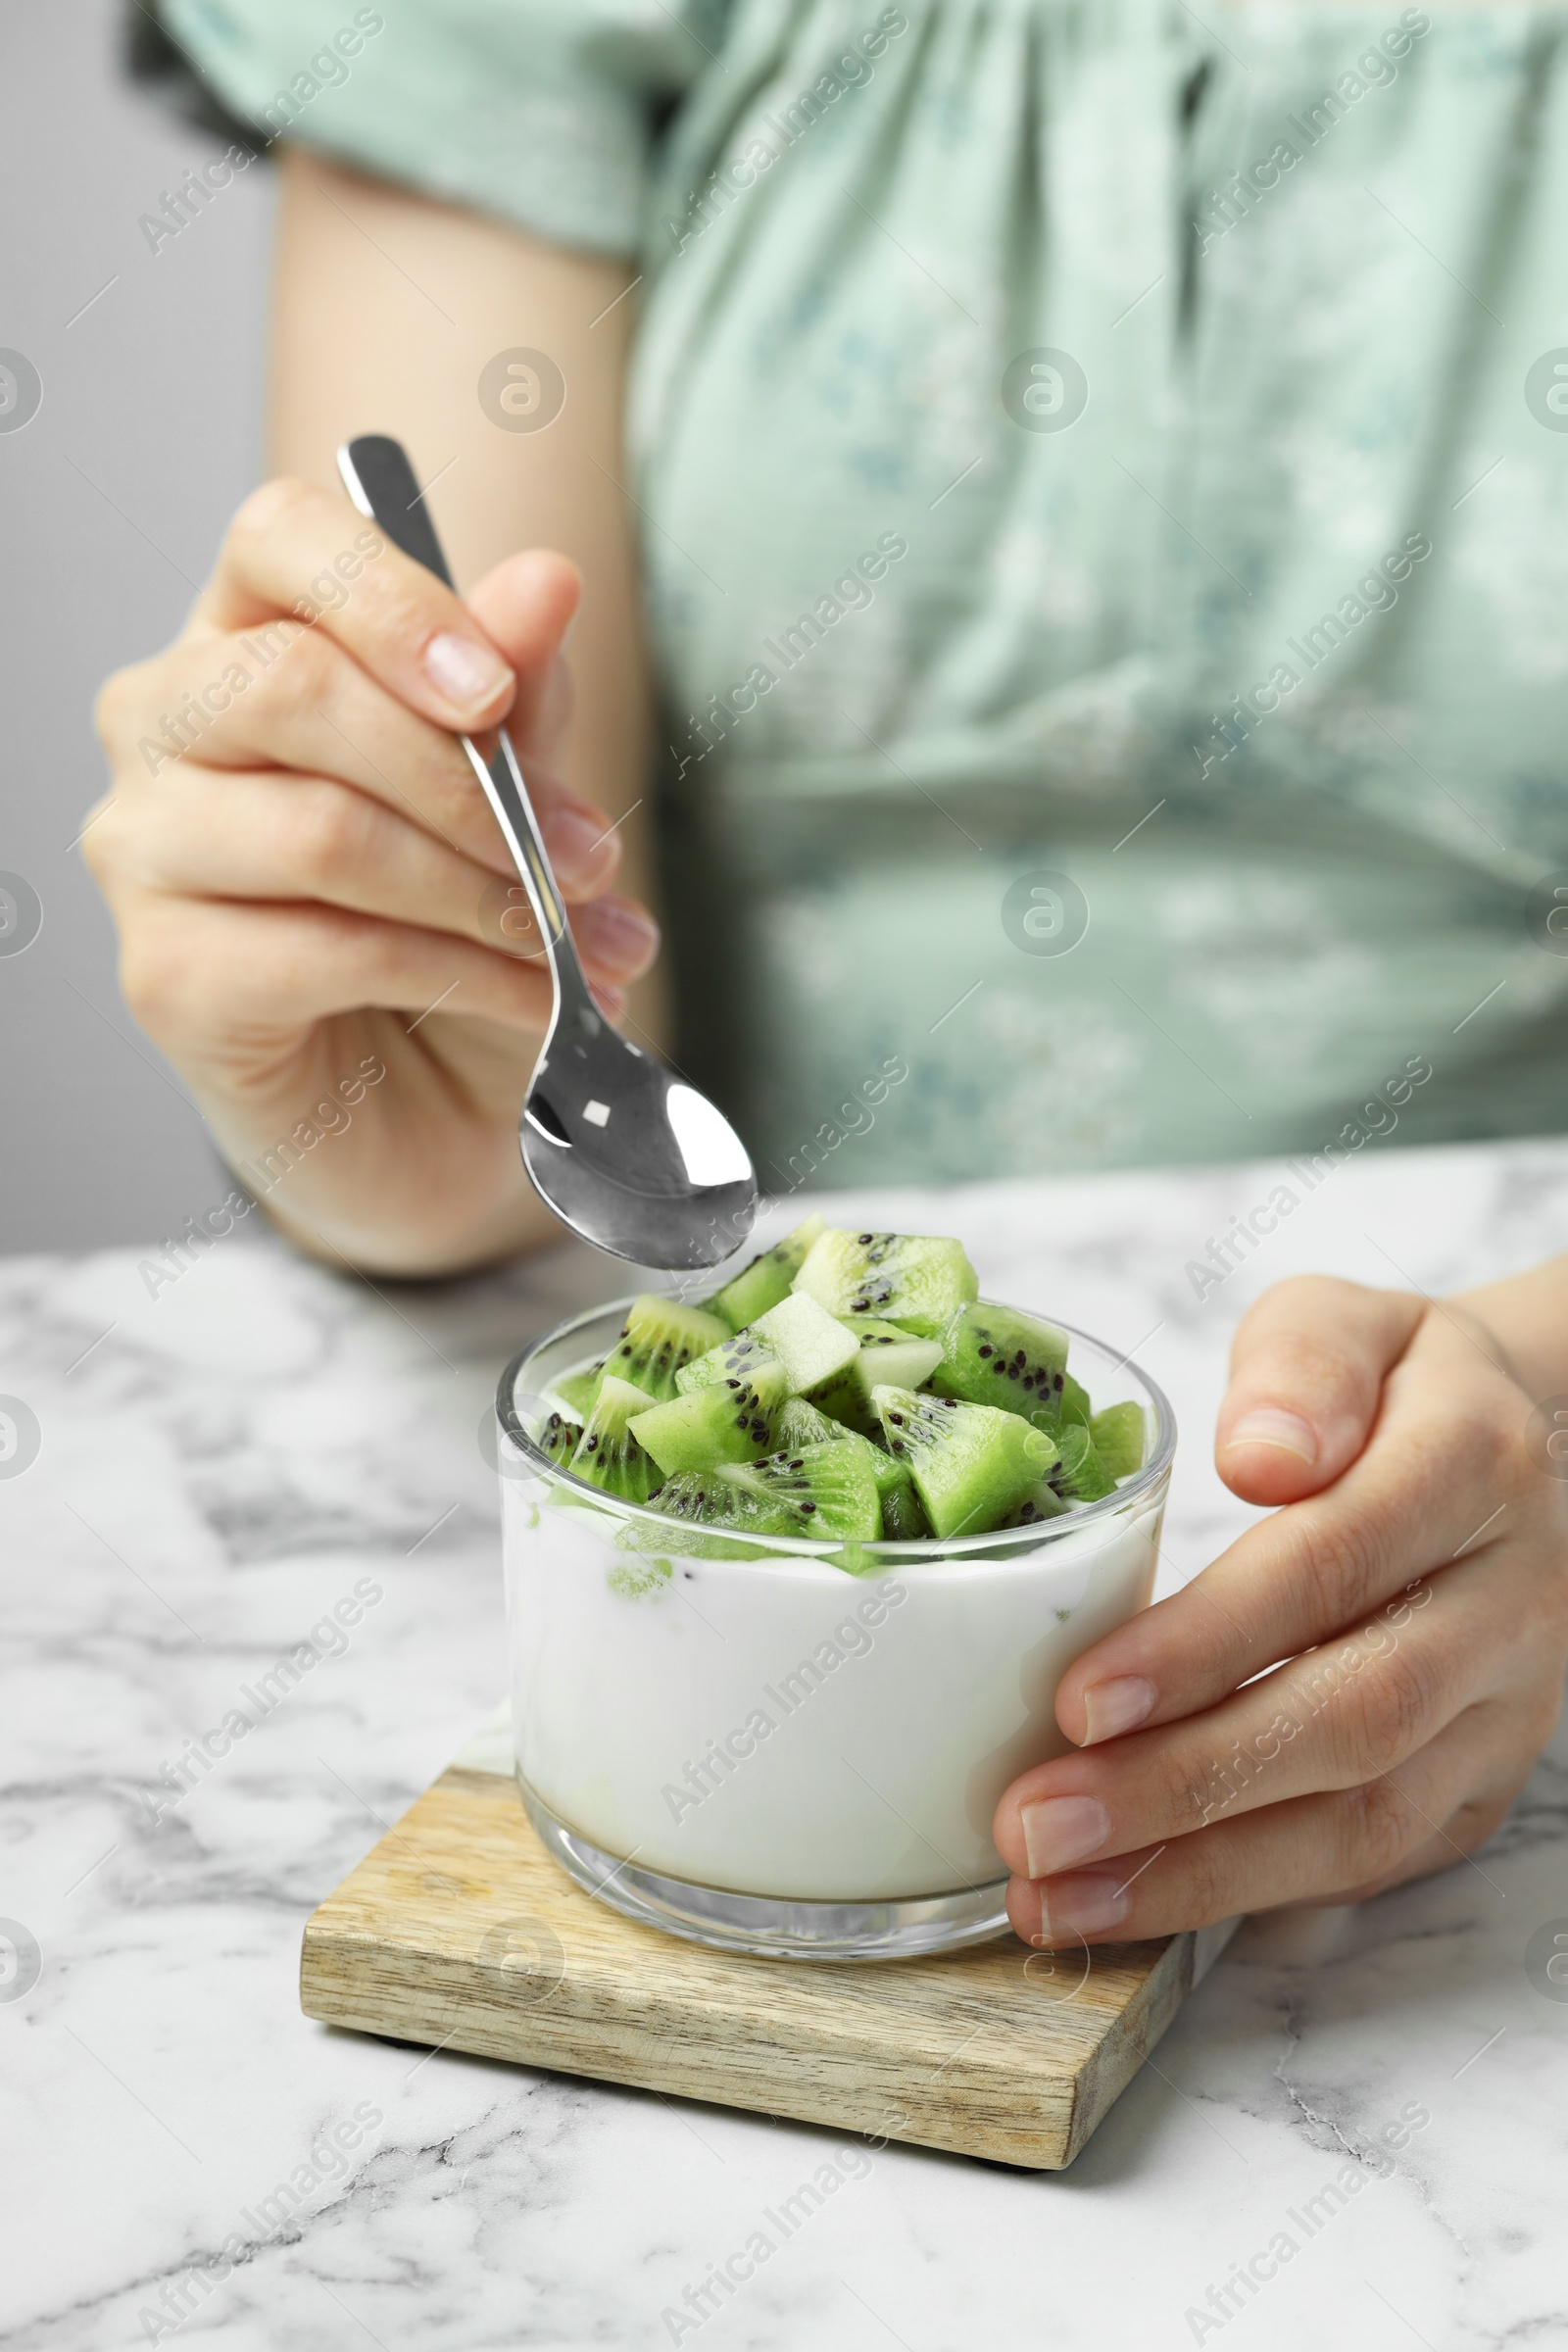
(385, 1250)
(398, 1216)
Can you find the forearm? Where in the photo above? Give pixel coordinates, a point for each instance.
(387, 308)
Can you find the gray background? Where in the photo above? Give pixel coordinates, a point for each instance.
(111, 503)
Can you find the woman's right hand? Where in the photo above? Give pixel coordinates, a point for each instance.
(310, 887)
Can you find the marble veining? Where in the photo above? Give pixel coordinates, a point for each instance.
(186, 2157)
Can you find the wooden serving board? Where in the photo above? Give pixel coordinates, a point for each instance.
(458, 1931)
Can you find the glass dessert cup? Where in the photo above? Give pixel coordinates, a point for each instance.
(794, 1749)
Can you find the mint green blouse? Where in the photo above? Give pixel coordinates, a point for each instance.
(1105, 479)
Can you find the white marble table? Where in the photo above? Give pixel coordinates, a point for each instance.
(223, 1462)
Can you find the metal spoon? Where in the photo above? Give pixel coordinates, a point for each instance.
(628, 1155)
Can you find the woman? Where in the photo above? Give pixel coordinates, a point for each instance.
(1105, 590)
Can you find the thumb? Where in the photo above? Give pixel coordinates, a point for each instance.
(525, 606)
(1307, 1367)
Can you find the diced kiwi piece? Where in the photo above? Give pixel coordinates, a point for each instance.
(1044, 1503)
(889, 1347)
(995, 1355)
(796, 1424)
(971, 1463)
(830, 1489)
(607, 1453)
(810, 1345)
(1078, 1474)
(659, 1337)
(888, 1357)
(729, 1422)
(1119, 1437)
(1075, 1404)
(918, 1281)
(558, 1440)
(903, 1519)
(886, 1472)
(787, 1494)
(715, 1521)
(735, 1357)
(577, 1390)
(703, 1497)
(766, 1280)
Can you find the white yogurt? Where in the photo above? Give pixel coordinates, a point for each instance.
(777, 1728)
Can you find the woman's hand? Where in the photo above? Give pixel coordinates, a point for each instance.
(1414, 1584)
(310, 887)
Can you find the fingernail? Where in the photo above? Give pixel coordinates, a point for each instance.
(1116, 1706)
(573, 836)
(1083, 1905)
(1061, 1831)
(1271, 1425)
(464, 673)
(619, 934)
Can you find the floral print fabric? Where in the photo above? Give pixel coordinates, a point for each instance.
(1087, 453)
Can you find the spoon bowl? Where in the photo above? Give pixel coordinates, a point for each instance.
(629, 1156)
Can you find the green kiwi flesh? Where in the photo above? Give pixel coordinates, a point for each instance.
(1120, 1436)
(916, 1279)
(729, 1422)
(810, 1345)
(830, 1489)
(887, 1474)
(903, 1519)
(1044, 1503)
(1078, 1474)
(796, 1424)
(995, 1355)
(733, 1358)
(559, 1437)
(699, 1495)
(766, 1280)
(842, 1388)
(714, 1520)
(659, 1337)
(608, 1454)
(577, 1390)
(886, 1356)
(971, 1463)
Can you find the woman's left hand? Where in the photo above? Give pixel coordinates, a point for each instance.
(1414, 1584)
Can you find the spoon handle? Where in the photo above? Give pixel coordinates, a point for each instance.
(379, 479)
